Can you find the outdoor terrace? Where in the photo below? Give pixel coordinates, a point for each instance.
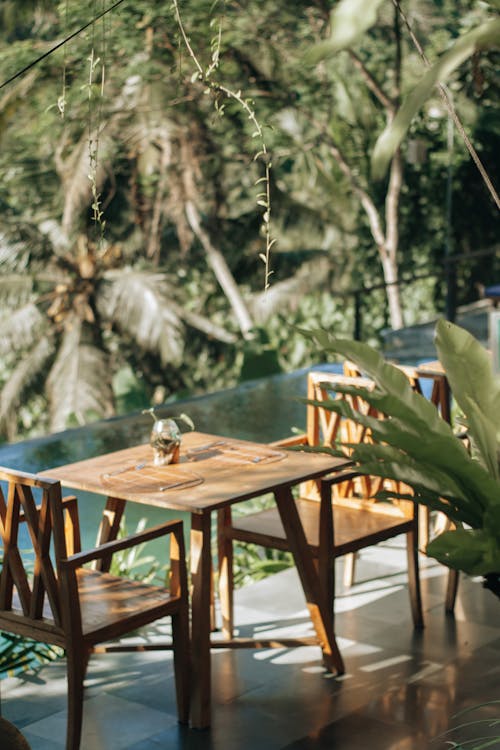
(401, 688)
(400, 691)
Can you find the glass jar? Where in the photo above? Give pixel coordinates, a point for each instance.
(165, 441)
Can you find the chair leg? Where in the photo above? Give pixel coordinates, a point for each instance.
(182, 667)
(76, 668)
(414, 579)
(226, 579)
(213, 614)
(451, 591)
(424, 523)
(349, 569)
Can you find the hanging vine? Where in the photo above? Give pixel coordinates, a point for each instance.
(61, 102)
(95, 118)
(218, 90)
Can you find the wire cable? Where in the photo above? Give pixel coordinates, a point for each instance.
(60, 44)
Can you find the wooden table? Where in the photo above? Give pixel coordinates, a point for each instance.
(440, 387)
(213, 472)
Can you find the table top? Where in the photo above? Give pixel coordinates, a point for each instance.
(213, 471)
(431, 368)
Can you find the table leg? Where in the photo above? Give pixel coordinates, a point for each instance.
(200, 619)
(109, 528)
(316, 596)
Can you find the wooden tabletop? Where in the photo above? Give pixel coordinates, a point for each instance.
(431, 368)
(213, 471)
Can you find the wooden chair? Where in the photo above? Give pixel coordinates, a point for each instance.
(430, 523)
(339, 519)
(56, 600)
(11, 738)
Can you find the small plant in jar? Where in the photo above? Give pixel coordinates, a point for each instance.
(166, 437)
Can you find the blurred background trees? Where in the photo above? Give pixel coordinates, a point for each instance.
(131, 234)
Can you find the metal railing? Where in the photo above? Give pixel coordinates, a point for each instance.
(448, 274)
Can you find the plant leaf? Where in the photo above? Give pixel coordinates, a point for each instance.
(78, 384)
(24, 373)
(470, 550)
(138, 302)
(474, 386)
(415, 429)
(348, 20)
(20, 328)
(485, 36)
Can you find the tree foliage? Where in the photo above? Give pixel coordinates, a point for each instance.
(131, 232)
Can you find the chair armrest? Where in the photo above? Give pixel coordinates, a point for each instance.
(109, 548)
(291, 441)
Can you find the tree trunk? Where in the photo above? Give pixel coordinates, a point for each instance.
(390, 270)
(222, 272)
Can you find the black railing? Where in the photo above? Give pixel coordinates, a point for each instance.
(448, 274)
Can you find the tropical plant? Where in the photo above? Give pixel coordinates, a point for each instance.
(130, 239)
(458, 736)
(18, 654)
(134, 563)
(416, 446)
(351, 24)
(251, 562)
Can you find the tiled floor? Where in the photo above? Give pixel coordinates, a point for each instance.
(400, 692)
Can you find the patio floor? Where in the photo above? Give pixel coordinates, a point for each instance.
(400, 691)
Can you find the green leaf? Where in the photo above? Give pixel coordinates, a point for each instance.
(348, 20)
(483, 432)
(470, 550)
(485, 36)
(416, 430)
(468, 367)
(474, 386)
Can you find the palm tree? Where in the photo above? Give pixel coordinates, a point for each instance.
(69, 320)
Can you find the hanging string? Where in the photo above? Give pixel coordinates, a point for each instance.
(60, 44)
(445, 96)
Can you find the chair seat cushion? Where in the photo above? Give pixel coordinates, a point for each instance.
(111, 606)
(353, 528)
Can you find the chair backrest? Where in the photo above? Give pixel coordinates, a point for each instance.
(438, 392)
(325, 427)
(33, 538)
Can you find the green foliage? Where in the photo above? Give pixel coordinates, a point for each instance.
(484, 37)
(138, 285)
(416, 446)
(468, 734)
(349, 20)
(134, 564)
(253, 563)
(18, 654)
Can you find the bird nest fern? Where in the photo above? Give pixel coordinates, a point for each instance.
(414, 445)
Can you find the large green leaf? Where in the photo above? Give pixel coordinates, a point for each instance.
(483, 432)
(389, 380)
(473, 551)
(474, 386)
(468, 367)
(485, 36)
(421, 459)
(418, 434)
(348, 21)
(427, 481)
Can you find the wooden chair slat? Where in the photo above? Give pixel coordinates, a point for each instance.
(74, 607)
